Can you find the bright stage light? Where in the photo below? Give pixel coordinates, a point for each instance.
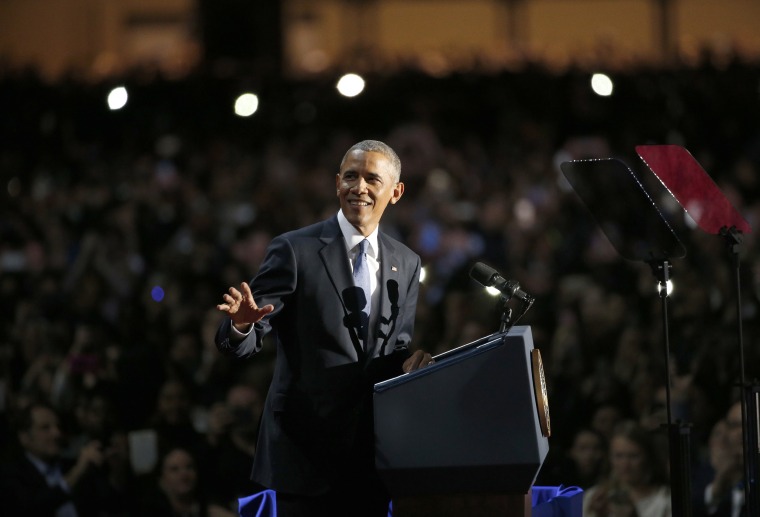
(668, 287)
(246, 105)
(602, 85)
(350, 85)
(117, 98)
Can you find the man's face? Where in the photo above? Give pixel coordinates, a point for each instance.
(43, 438)
(365, 187)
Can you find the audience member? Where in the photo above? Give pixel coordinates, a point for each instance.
(581, 465)
(636, 485)
(35, 482)
(173, 419)
(175, 490)
(232, 435)
(723, 495)
(605, 418)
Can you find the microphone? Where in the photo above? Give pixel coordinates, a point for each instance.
(489, 277)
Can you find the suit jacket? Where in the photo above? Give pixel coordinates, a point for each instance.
(24, 491)
(316, 429)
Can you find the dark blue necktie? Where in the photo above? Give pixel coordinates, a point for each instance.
(361, 280)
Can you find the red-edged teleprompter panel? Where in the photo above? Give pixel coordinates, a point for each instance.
(692, 187)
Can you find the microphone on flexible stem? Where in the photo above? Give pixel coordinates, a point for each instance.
(489, 277)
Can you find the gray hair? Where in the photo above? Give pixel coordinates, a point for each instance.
(376, 146)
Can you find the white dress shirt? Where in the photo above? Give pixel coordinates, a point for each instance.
(352, 237)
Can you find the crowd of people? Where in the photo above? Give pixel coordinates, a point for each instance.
(119, 230)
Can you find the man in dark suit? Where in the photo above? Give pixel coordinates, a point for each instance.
(315, 444)
(34, 482)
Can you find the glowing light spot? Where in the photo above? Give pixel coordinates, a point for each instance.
(246, 105)
(117, 98)
(493, 291)
(157, 293)
(350, 85)
(668, 287)
(602, 85)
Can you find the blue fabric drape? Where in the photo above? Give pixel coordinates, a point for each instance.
(553, 501)
(547, 501)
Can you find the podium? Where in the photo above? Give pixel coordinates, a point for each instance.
(468, 433)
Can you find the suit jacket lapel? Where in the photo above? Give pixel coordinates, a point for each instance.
(335, 258)
(335, 261)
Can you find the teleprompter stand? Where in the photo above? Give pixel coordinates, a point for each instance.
(637, 230)
(698, 195)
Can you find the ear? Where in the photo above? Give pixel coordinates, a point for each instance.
(337, 184)
(398, 191)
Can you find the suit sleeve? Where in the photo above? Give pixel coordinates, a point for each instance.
(275, 283)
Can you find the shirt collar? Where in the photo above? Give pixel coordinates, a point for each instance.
(40, 465)
(352, 236)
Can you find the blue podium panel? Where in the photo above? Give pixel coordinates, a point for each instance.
(467, 424)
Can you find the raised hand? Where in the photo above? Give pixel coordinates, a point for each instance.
(91, 455)
(240, 306)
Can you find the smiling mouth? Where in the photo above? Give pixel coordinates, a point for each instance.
(359, 203)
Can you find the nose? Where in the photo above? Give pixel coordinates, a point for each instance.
(359, 186)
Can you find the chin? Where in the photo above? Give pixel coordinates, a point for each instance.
(356, 219)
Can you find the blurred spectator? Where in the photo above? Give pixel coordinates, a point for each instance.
(95, 418)
(605, 418)
(723, 495)
(232, 434)
(172, 419)
(582, 465)
(175, 490)
(35, 481)
(636, 485)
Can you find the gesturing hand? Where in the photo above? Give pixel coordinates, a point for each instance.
(419, 359)
(241, 307)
